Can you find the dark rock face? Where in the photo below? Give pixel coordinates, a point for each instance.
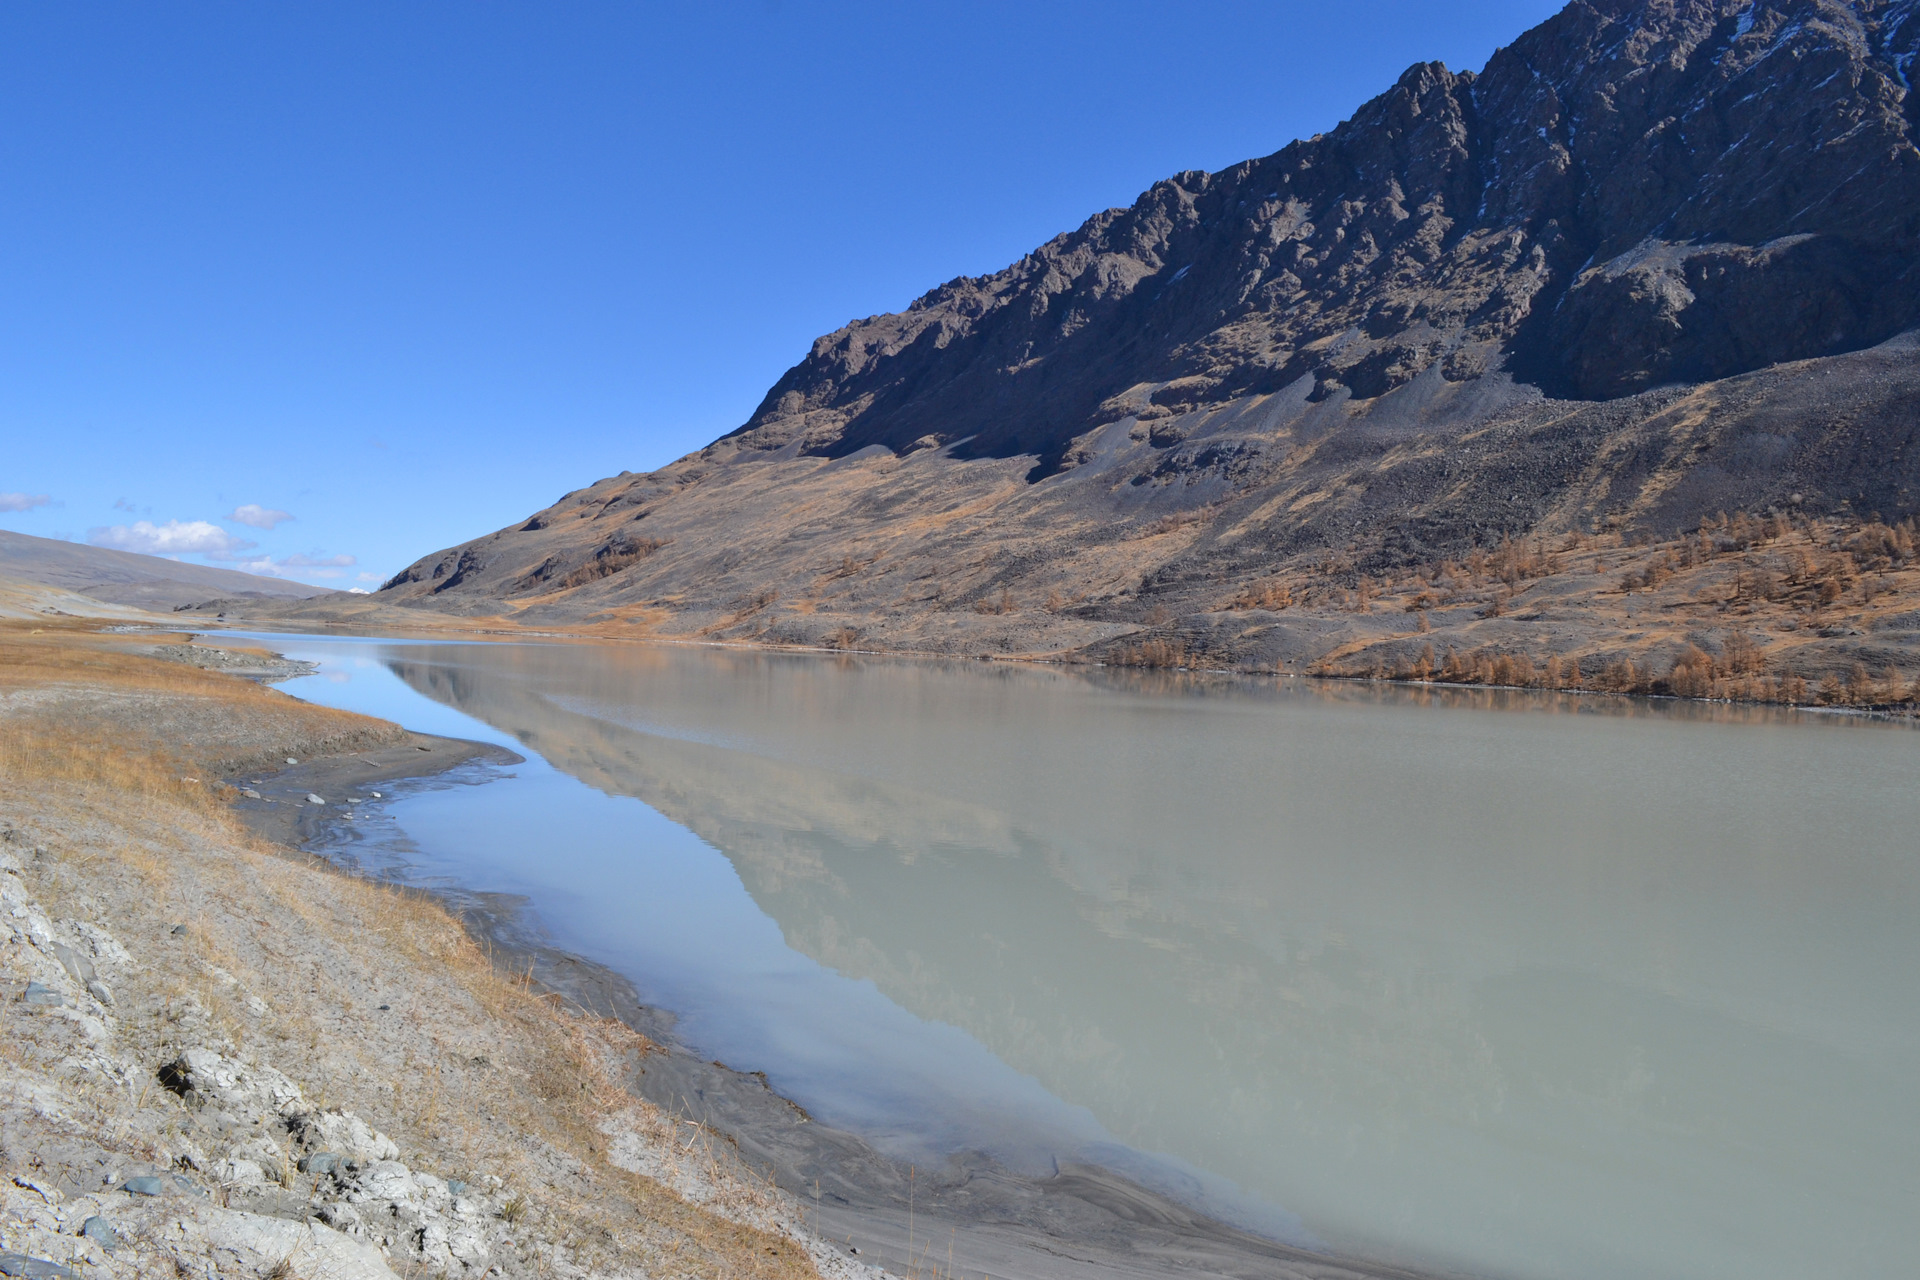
(1632, 194)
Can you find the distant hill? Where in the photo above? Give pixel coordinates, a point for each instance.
(1657, 263)
(124, 577)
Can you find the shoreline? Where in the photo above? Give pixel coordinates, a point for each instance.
(1889, 713)
(225, 1057)
(970, 1215)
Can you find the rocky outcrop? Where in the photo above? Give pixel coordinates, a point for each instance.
(1631, 194)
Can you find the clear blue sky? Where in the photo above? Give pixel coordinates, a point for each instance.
(408, 272)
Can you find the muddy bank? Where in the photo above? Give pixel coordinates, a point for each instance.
(280, 804)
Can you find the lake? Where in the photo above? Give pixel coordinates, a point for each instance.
(1520, 985)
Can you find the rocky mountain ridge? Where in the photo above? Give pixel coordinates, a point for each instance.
(1631, 195)
(1652, 263)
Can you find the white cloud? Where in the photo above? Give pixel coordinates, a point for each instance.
(174, 538)
(23, 501)
(299, 565)
(259, 517)
(367, 577)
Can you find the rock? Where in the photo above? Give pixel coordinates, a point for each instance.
(145, 1185)
(77, 965)
(314, 799)
(456, 1187)
(388, 1180)
(248, 1092)
(320, 1162)
(249, 793)
(101, 992)
(45, 1190)
(348, 1134)
(101, 1232)
(262, 1243)
(178, 930)
(19, 1264)
(261, 1149)
(291, 760)
(46, 996)
(233, 1172)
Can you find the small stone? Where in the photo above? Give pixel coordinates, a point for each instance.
(291, 760)
(455, 1186)
(37, 994)
(320, 1162)
(144, 1186)
(249, 793)
(101, 1232)
(376, 795)
(385, 1007)
(178, 930)
(99, 991)
(314, 799)
(19, 1264)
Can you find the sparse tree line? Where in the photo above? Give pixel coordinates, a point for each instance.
(1739, 672)
(1834, 562)
(1798, 565)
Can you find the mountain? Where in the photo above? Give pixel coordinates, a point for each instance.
(1485, 343)
(124, 577)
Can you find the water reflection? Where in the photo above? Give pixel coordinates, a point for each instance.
(1534, 985)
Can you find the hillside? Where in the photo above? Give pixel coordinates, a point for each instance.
(1628, 303)
(125, 577)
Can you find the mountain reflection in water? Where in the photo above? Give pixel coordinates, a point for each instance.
(1528, 985)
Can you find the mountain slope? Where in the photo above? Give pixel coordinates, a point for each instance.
(125, 577)
(1651, 264)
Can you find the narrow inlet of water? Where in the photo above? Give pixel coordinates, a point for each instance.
(1527, 986)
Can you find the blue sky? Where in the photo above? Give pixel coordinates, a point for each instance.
(317, 289)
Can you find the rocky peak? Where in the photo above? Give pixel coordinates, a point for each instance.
(1631, 194)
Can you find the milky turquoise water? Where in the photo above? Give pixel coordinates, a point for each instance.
(1548, 988)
